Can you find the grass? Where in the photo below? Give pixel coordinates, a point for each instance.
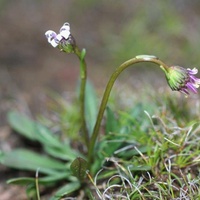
(168, 168)
(145, 151)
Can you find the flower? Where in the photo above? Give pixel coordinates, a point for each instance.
(181, 79)
(63, 40)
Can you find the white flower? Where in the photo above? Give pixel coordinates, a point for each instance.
(54, 39)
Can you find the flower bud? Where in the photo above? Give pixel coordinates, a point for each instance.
(181, 79)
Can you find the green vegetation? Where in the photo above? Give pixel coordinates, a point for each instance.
(145, 151)
(127, 147)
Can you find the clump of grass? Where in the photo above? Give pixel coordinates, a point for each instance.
(163, 163)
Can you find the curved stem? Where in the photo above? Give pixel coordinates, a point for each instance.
(83, 75)
(107, 91)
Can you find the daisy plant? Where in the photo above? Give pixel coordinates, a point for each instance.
(178, 79)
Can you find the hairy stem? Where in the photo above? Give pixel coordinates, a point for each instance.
(107, 91)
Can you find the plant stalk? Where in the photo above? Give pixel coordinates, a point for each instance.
(114, 76)
(83, 75)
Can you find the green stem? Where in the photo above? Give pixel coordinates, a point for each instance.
(83, 75)
(107, 91)
(37, 185)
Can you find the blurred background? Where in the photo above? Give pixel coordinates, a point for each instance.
(112, 31)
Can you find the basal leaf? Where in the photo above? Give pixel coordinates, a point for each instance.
(22, 125)
(65, 153)
(42, 180)
(21, 181)
(28, 160)
(45, 136)
(90, 106)
(32, 130)
(65, 190)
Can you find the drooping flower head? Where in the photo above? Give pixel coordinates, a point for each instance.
(181, 79)
(63, 40)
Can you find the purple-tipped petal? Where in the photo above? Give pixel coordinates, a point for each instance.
(50, 35)
(191, 87)
(195, 80)
(184, 91)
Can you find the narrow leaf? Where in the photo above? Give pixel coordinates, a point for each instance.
(45, 136)
(140, 168)
(65, 153)
(111, 121)
(90, 106)
(32, 130)
(43, 180)
(22, 125)
(27, 160)
(65, 190)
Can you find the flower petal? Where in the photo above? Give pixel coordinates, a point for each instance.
(192, 71)
(50, 35)
(54, 43)
(194, 80)
(58, 38)
(184, 91)
(65, 26)
(65, 30)
(191, 87)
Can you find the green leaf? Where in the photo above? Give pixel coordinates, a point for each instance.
(140, 168)
(90, 106)
(65, 153)
(46, 137)
(79, 167)
(111, 121)
(65, 190)
(31, 191)
(32, 130)
(111, 141)
(21, 181)
(106, 174)
(133, 152)
(43, 180)
(28, 160)
(22, 124)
